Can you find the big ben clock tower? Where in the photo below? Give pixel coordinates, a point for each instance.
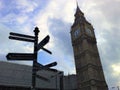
(89, 70)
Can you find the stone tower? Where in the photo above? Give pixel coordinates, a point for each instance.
(89, 70)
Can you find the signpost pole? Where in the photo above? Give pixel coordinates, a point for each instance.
(31, 56)
(36, 31)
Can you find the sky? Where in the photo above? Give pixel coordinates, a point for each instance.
(55, 18)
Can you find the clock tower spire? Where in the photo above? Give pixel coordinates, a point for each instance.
(89, 70)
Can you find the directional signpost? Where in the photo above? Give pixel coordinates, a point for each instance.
(21, 37)
(43, 42)
(40, 66)
(31, 56)
(20, 56)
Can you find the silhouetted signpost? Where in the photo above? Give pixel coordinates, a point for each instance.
(40, 66)
(21, 37)
(31, 56)
(20, 56)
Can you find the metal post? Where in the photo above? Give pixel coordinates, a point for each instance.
(56, 82)
(118, 87)
(36, 31)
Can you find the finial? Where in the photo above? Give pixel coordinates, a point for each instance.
(36, 30)
(78, 9)
(77, 3)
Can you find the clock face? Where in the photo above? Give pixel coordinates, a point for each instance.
(76, 33)
(89, 32)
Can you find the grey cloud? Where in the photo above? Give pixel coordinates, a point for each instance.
(2, 57)
(62, 44)
(61, 32)
(109, 52)
(112, 45)
(111, 11)
(104, 16)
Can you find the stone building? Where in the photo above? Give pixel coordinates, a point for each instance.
(19, 77)
(70, 82)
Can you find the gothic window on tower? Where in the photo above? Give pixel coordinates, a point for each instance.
(101, 75)
(83, 61)
(98, 61)
(95, 74)
(75, 50)
(76, 33)
(92, 47)
(82, 76)
(78, 64)
(95, 47)
(93, 60)
(80, 48)
(85, 73)
(89, 32)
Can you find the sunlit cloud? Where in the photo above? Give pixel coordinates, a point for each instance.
(21, 19)
(116, 69)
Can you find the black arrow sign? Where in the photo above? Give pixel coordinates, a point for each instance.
(43, 42)
(21, 39)
(46, 50)
(22, 35)
(20, 56)
(40, 66)
(51, 64)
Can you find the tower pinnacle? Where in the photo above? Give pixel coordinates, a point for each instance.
(77, 3)
(78, 11)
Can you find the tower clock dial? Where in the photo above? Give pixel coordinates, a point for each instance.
(89, 32)
(76, 33)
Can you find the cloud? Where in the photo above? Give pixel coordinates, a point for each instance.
(26, 6)
(2, 57)
(61, 34)
(7, 45)
(52, 10)
(1, 5)
(116, 69)
(104, 17)
(62, 44)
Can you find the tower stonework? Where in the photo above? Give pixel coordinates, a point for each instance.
(89, 70)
